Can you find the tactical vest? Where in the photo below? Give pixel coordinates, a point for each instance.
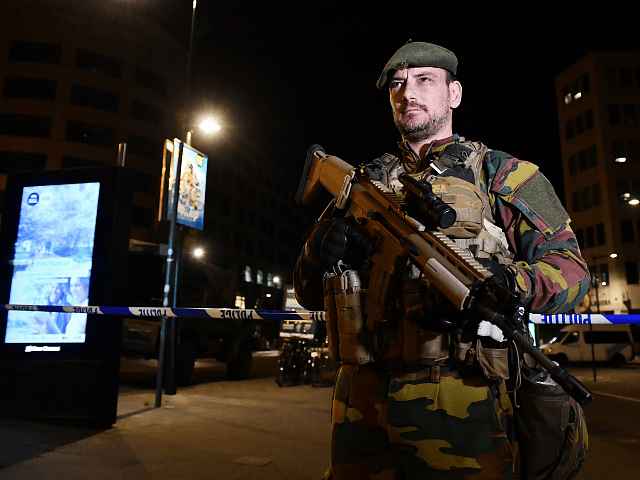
(456, 178)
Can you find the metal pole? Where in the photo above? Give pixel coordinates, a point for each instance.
(593, 352)
(122, 153)
(175, 193)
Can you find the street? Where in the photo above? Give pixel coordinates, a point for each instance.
(217, 429)
(613, 418)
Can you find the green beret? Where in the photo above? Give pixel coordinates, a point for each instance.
(419, 54)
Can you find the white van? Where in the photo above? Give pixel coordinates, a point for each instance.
(612, 343)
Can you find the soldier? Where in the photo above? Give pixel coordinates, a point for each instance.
(446, 406)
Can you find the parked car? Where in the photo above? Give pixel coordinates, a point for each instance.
(611, 343)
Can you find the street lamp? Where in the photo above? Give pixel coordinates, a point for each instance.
(596, 284)
(170, 272)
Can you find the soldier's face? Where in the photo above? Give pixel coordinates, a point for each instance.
(422, 101)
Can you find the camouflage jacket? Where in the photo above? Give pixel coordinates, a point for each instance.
(550, 273)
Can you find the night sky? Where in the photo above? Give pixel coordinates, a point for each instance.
(285, 75)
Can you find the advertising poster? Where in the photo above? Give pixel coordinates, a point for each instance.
(52, 262)
(193, 183)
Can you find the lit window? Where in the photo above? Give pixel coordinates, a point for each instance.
(240, 301)
(577, 95)
(269, 280)
(567, 98)
(247, 275)
(259, 277)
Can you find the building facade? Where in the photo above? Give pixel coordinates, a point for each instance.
(80, 78)
(598, 100)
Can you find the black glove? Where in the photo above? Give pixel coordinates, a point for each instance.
(501, 274)
(339, 239)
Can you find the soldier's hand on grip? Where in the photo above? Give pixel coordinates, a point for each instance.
(340, 239)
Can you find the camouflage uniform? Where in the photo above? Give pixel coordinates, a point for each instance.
(449, 421)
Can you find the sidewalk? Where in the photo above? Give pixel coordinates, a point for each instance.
(218, 430)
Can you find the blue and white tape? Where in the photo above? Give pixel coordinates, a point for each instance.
(236, 313)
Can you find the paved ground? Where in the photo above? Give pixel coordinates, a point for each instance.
(253, 429)
(215, 430)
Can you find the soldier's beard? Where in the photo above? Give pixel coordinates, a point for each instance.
(424, 130)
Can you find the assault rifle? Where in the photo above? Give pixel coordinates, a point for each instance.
(387, 217)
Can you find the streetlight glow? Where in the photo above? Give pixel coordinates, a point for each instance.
(635, 201)
(198, 252)
(209, 125)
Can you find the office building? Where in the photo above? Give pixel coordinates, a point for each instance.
(598, 101)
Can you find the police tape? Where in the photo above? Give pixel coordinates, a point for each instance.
(237, 313)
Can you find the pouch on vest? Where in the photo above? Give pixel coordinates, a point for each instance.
(353, 345)
(550, 429)
(419, 346)
(331, 315)
(493, 361)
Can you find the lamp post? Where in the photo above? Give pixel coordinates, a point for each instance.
(171, 325)
(597, 284)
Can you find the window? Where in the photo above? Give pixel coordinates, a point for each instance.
(36, 88)
(94, 98)
(626, 227)
(586, 198)
(619, 154)
(569, 128)
(597, 195)
(259, 277)
(582, 160)
(633, 276)
(16, 161)
(600, 236)
(573, 165)
(579, 124)
(580, 237)
(586, 84)
(25, 125)
(591, 240)
(633, 154)
(575, 88)
(240, 302)
(35, 52)
(615, 117)
(248, 277)
(622, 190)
(566, 94)
(626, 77)
(150, 81)
(573, 337)
(588, 119)
(593, 156)
(610, 77)
(90, 133)
(146, 113)
(629, 113)
(593, 273)
(98, 63)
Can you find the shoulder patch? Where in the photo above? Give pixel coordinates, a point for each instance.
(540, 197)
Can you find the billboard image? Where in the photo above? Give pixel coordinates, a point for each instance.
(52, 262)
(193, 184)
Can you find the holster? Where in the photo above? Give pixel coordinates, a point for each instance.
(348, 340)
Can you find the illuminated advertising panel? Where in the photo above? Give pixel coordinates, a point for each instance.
(193, 184)
(52, 260)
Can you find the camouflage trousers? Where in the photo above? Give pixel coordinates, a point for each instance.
(420, 426)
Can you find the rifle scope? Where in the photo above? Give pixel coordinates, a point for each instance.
(427, 203)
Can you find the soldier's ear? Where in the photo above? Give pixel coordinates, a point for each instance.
(455, 93)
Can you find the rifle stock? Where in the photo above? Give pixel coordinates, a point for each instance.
(380, 213)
